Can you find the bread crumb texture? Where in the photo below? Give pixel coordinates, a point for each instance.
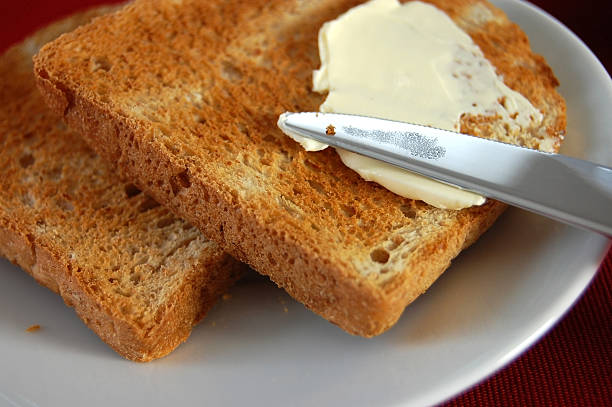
(135, 274)
(33, 328)
(184, 97)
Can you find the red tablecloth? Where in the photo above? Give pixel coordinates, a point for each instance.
(572, 364)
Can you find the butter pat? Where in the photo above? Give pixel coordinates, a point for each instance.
(307, 143)
(409, 63)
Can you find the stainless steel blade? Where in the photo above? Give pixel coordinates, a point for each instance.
(570, 190)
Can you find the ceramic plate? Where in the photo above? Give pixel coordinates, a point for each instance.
(261, 348)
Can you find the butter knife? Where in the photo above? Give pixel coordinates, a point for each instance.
(563, 188)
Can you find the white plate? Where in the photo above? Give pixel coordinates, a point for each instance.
(262, 348)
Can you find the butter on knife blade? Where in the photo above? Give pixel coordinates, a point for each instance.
(569, 190)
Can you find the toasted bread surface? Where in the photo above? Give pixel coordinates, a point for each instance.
(134, 273)
(184, 96)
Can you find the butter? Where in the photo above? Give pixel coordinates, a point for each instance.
(307, 143)
(409, 63)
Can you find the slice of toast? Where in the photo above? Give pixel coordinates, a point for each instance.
(135, 274)
(184, 96)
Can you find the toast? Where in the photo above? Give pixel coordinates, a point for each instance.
(139, 277)
(184, 97)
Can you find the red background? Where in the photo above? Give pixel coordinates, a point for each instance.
(572, 364)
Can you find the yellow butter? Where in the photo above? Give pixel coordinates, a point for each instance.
(409, 63)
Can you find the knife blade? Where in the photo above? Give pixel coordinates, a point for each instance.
(566, 189)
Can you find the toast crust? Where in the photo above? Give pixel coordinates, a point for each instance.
(187, 307)
(203, 142)
(67, 221)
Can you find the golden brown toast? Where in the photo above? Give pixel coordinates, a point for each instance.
(184, 97)
(134, 273)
